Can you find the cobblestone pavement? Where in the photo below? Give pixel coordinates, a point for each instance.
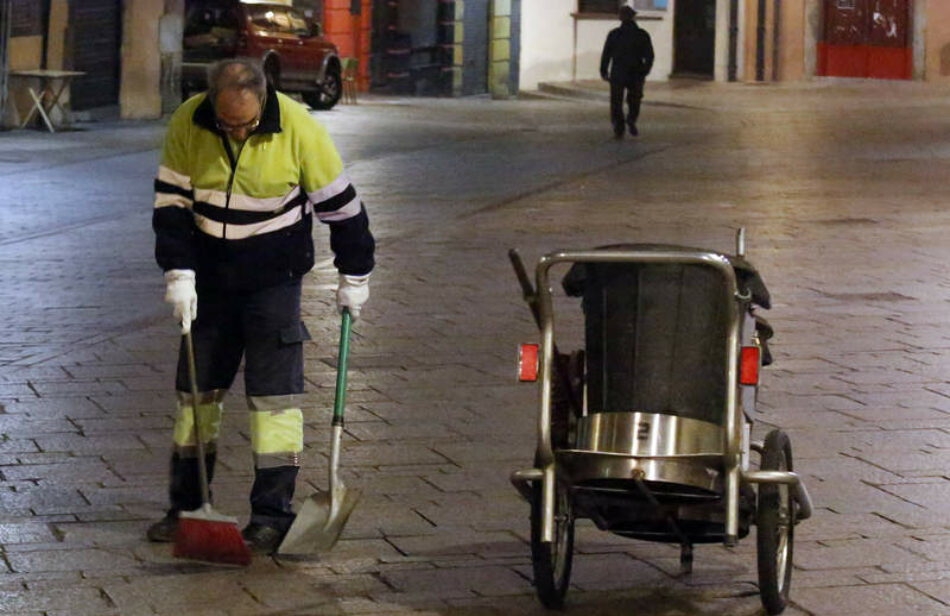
(841, 188)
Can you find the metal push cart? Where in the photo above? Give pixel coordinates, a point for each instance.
(646, 430)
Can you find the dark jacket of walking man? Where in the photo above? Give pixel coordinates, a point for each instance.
(243, 171)
(628, 52)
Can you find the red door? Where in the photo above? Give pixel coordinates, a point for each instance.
(866, 38)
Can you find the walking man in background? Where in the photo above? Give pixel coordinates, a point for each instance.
(628, 52)
(243, 170)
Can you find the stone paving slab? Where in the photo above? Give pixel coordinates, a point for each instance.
(845, 221)
(879, 599)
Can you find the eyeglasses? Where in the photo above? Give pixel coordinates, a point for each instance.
(233, 128)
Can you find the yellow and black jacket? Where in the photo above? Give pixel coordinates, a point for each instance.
(244, 221)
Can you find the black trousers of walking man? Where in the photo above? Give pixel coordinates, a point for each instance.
(634, 94)
(625, 62)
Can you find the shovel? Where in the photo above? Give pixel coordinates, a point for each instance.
(322, 516)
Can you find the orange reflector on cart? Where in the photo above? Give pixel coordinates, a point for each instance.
(528, 363)
(749, 366)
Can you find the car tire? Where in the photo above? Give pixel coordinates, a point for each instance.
(329, 95)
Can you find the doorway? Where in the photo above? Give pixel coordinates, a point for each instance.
(694, 38)
(95, 28)
(866, 38)
(475, 48)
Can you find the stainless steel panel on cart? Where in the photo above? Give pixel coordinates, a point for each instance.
(649, 446)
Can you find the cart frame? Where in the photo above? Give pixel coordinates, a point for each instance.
(735, 453)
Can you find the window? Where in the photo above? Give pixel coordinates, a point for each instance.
(297, 22)
(610, 7)
(650, 5)
(209, 27)
(203, 20)
(285, 21)
(598, 6)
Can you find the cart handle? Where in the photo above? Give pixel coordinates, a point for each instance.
(542, 297)
(527, 289)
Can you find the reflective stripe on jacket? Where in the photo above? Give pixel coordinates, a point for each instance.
(244, 221)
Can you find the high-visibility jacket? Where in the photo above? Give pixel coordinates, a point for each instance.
(243, 220)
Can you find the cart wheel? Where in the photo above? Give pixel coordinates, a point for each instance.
(775, 518)
(552, 561)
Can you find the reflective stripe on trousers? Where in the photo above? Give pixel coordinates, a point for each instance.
(263, 327)
(276, 427)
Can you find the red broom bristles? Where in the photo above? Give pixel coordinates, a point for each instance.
(212, 541)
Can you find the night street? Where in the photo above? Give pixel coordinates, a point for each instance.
(841, 188)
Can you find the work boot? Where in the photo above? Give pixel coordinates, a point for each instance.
(164, 530)
(272, 495)
(261, 539)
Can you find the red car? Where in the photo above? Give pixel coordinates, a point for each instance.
(294, 54)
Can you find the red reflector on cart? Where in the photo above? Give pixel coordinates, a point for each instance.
(528, 362)
(749, 366)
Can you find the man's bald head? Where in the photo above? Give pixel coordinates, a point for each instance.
(237, 89)
(236, 75)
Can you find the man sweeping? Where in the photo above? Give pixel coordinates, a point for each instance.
(243, 171)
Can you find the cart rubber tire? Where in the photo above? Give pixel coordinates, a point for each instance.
(775, 517)
(552, 561)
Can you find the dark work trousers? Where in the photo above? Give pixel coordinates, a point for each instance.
(264, 327)
(634, 93)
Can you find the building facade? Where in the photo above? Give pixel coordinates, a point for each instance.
(744, 40)
(130, 50)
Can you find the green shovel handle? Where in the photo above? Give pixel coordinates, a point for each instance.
(339, 402)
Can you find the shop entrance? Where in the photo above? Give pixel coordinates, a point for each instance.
(866, 38)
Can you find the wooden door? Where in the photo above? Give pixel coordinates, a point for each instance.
(866, 38)
(475, 48)
(694, 37)
(95, 35)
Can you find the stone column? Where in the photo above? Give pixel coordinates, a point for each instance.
(170, 32)
(812, 36)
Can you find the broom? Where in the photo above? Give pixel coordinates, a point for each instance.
(205, 534)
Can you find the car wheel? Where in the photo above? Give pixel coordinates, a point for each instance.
(329, 94)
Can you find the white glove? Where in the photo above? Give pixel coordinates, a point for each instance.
(181, 294)
(352, 293)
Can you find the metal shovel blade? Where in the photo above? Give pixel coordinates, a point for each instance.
(320, 522)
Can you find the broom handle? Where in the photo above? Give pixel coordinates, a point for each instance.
(193, 377)
(339, 400)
